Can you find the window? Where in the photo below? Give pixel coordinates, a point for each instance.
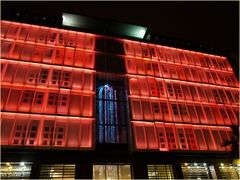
(15, 170)
(57, 171)
(230, 171)
(111, 113)
(195, 171)
(160, 171)
(112, 171)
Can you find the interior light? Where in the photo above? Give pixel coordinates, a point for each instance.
(8, 164)
(222, 164)
(195, 164)
(22, 163)
(186, 164)
(204, 164)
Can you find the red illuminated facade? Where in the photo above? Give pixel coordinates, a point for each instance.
(178, 101)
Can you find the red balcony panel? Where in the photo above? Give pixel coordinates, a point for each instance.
(148, 68)
(224, 115)
(21, 73)
(73, 132)
(6, 48)
(59, 56)
(156, 109)
(137, 49)
(52, 103)
(26, 100)
(47, 133)
(7, 125)
(175, 112)
(151, 135)
(209, 94)
(43, 78)
(87, 108)
(4, 28)
(145, 51)
(182, 57)
(162, 137)
(27, 52)
(52, 36)
(63, 102)
(234, 80)
(33, 33)
(33, 131)
(42, 35)
(200, 138)
(165, 111)
(194, 93)
(173, 71)
(77, 82)
(133, 86)
(79, 58)
(4, 96)
(236, 113)
(192, 113)
(217, 115)
(209, 115)
(209, 62)
(223, 131)
(143, 86)
(153, 52)
(3, 68)
(184, 112)
(17, 51)
(215, 63)
(37, 54)
(230, 96)
(60, 131)
(33, 74)
(203, 61)
(203, 76)
(71, 39)
(178, 91)
(215, 77)
(196, 76)
(223, 95)
(49, 55)
(13, 31)
(186, 92)
(181, 137)
(56, 76)
(88, 81)
(201, 114)
(170, 90)
(139, 135)
(235, 94)
(181, 73)
(209, 77)
(62, 37)
(168, 55)
(39, 102)
(188, 74)
(165, 71)
(10, 72)
(75, 105)
(232, 116)
(202, 94)
(128, 48)
(161, 54)
(86, 128)
(136, 109)
(161, 88)
(152, 87)
(89, 60)
(171, 137)
(69, 56)
(131, 67)
(13, 100)
(176, 57)
(20, 130)
(146, 108)
(66, 78)
(90, 42)
(191, 138)
(209, 139)
(80, 40)
(189, 58)
(222, 64)
(217, 138)
(140, 66)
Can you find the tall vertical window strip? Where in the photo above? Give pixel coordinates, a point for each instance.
(111, 126)
(112, 171)
(160, 172)
(57, 171)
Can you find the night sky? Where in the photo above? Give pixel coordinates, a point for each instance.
(215, 24)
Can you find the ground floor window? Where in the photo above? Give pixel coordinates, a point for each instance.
(160, 172)
(16, 170)
(57, 171)
(230, 171)
(112, 171)
(196, 171)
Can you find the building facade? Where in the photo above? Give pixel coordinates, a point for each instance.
(82, 105)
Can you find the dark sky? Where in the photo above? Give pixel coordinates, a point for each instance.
(213, 23)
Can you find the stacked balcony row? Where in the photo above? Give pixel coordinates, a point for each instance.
(169, 137)
(66, 56)
(141, 86)
(145, 109)
(33, 74)
(173, 55)
(180, 72)
(47, 131)
(46, 35)
(46, 101)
